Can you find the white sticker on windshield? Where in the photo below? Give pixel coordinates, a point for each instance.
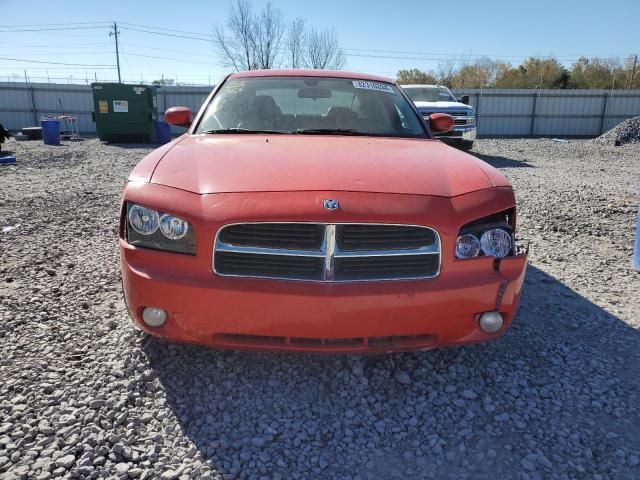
(380, 87)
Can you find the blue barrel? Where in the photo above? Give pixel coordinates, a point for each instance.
(50, 131)
(636, 250)
(163, 132)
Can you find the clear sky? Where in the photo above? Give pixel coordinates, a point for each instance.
(378, 36)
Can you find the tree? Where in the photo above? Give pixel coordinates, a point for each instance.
(415, 76)
(269, 29)
(295, 43)
(254, 40)
(479, 74)
(596, 73)
(447, 69)
(535, 72)
(323, 50)
(239, 52)
(630, 74)
(163, 81)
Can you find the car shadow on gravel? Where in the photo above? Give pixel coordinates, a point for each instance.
(498, 161)
(556, 396)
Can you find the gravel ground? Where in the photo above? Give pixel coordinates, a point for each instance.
(83, 394)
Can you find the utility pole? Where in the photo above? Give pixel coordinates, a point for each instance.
(115, 34)
(633, 71)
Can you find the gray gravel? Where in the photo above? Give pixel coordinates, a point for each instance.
(626, 132)
(83, 394)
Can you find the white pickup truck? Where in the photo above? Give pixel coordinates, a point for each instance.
(438, 99)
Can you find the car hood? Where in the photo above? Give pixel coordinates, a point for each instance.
(206, 164)
(442, 106)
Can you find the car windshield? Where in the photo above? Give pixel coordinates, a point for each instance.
(311, 105)
(429, 94)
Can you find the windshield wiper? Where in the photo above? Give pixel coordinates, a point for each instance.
(330, 131)
(238, 130)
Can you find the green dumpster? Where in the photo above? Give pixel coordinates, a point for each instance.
(124, 113)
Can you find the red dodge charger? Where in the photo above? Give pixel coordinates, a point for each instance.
(313, 211)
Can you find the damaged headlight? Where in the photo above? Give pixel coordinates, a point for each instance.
(467, 246)
(149, 228)
(496, 243)
(491, 236)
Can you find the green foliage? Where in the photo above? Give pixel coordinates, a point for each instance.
(415, 76)
(534, 72)
(163, 81)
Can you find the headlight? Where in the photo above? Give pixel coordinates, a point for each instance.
(496, 243)
(491, 236)
(172, 227)
(150, 228)
(143, 220)
(471, 120)
(467, 246)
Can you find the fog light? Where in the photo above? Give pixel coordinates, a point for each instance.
(154, 317)
(491, 322)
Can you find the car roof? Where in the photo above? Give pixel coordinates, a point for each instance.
(299, 72)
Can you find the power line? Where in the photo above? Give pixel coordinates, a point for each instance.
(191, 54)
(170, 35)
(58, 68)
(56, 63)
(24, 45)
(65, 53)
(50, 29)
(52, 24)
(196, 36)
(166, 29)
(189, 35)
(170, 58)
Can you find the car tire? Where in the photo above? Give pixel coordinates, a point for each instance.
(466, 145)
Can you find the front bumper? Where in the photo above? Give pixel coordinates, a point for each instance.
(460, 133)
(281, 315)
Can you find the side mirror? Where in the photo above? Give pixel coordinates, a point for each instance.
(440, 122)
(464, 99)
(178, 116)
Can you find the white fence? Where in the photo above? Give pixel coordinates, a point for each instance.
(501, 112)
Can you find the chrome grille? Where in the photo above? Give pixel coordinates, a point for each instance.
(392, 237)
(459, 118)
(327, 252)
(277, 235)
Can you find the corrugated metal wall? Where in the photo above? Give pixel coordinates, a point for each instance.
(22, 105)
(523, 112)
(501, 112)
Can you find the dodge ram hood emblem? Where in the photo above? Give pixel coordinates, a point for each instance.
(331, 204)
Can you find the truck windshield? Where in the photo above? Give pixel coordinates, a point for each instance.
(429, 94)
(311, 105)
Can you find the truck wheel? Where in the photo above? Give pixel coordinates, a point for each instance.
(466, 145)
